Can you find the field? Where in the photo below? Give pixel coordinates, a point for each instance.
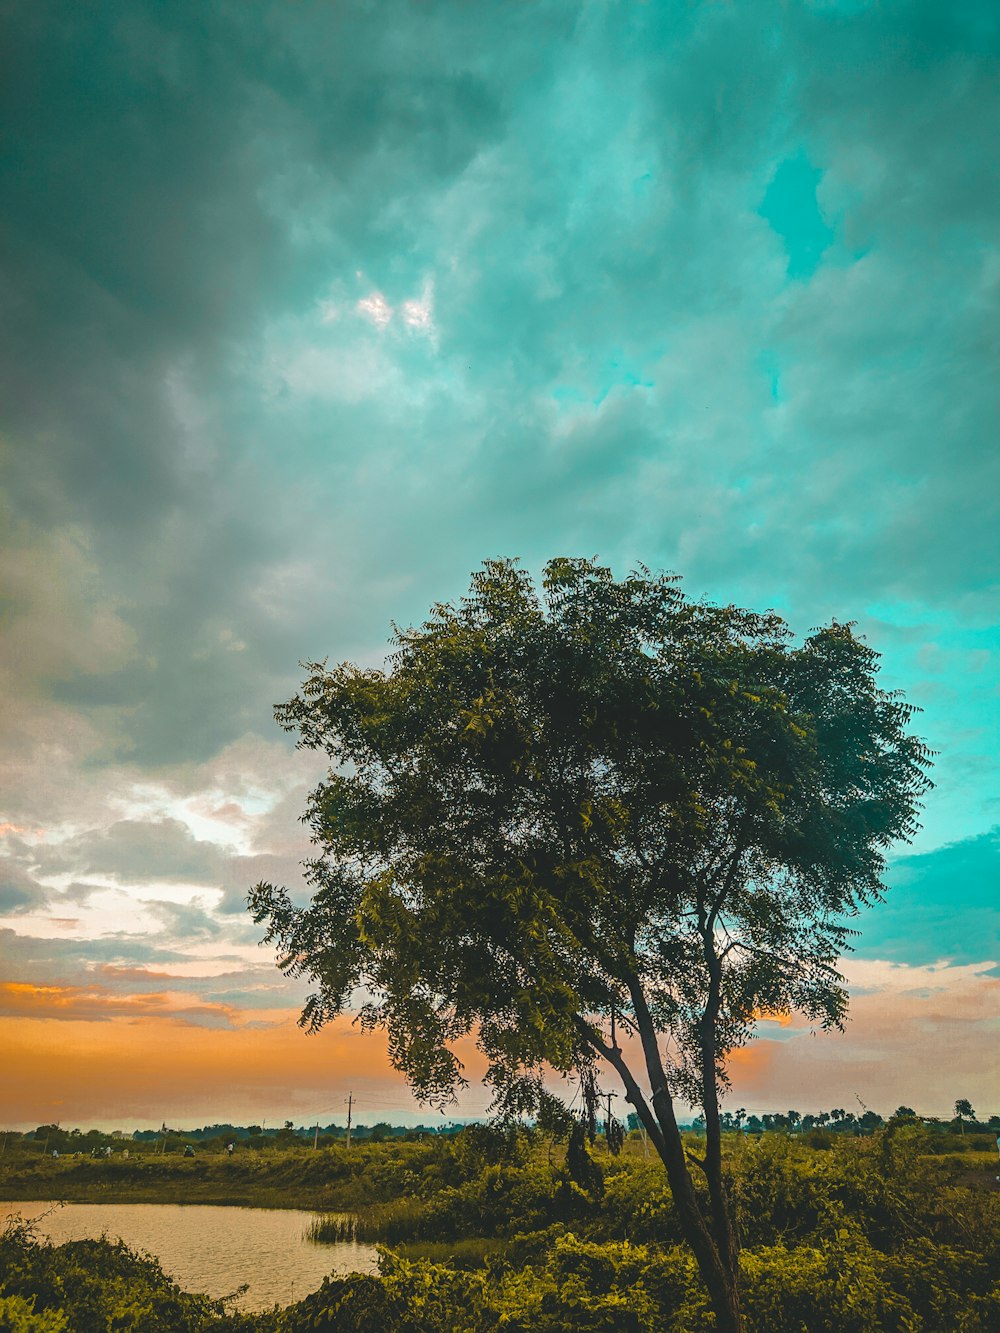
(897, 1231)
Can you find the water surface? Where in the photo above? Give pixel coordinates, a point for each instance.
(211, 1249)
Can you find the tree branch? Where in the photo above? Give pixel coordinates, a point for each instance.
(633, 1092)
(693, 1157)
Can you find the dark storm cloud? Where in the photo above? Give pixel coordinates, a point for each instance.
(163, 162)
(582, 187)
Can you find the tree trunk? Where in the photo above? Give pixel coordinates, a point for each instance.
(717, 1262)
(723, 1228)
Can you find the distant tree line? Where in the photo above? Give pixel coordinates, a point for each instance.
(841, 1121)
(54, 1138)
(58, 1139)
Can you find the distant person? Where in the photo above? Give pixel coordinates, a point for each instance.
(230, 1149)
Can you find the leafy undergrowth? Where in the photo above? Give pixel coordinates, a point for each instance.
(492, 1232)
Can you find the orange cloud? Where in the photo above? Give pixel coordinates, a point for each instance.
(919, 1036)
(7, 829)
(229, 813)
(97, 1003)
(773, 1016)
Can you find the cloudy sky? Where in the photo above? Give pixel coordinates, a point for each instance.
(308, 308)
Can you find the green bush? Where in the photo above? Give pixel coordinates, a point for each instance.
(17, 1315)
(836, 1288)
(99, 1286)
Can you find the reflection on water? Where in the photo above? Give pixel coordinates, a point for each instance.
(211, 1249)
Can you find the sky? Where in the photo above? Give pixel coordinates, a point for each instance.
(309, 308)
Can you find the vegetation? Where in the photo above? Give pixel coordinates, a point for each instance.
(602, 809)
(493, 1231)
(368, 1174)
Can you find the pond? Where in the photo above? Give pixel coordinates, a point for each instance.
(211, 1249)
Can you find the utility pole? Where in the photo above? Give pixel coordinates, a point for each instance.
(607, 1123)
(316, 1137)
(350, 1104)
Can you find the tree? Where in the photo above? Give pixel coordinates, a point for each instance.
(575, 822)
(963, 1112)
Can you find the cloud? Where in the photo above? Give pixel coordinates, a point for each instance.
(306, 314)
(186, 921)
(19, 892)
(143, 850)
(915, 1036)
(310, 160)
(35, 959)
(99, 1004)
(141, 853)
(943, 904)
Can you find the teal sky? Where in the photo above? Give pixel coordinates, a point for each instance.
(308, 308)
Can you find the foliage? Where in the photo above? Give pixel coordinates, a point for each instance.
(17, 1315)
(97, 1285)
(601, 804)
(870, 1233)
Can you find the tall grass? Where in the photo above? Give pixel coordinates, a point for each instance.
(400, 1220)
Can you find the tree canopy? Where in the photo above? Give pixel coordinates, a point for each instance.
(575, 821)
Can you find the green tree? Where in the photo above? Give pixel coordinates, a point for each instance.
(577, 821)
(963, 1112)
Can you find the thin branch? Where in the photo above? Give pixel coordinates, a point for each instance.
(698, 1161)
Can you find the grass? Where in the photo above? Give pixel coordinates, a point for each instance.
(328, 1180)
(390, 1222)
(468, 1253)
